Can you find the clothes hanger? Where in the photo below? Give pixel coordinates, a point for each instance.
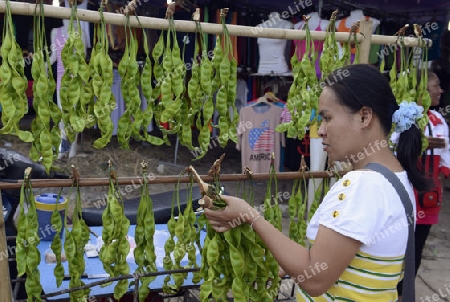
(262, 101)
(270, 96)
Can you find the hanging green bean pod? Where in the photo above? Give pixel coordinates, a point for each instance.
(115, 246)
(44, 127)
(102, 81)
(75, 90)
(56, 245)
(303, 94)
(144, 253)
(28, 256)
(13, 83)
(76, 237)
(147, 92)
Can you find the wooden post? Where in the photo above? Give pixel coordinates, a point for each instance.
(365, 28)
(5, 280)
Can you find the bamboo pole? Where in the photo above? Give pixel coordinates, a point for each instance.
(152, 179)
(5, 281)
(21, 8)
(364, 48)
(28, 9)
(408, 41)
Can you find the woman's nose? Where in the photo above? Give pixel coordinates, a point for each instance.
(321, 130)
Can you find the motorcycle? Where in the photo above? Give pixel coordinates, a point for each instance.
(12, 168)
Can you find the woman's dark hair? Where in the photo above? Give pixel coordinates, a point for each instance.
(362, 85)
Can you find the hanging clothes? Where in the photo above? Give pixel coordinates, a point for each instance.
(261, 140)
(272, 52)
(60, 41)
(120, 103)
(241, 94)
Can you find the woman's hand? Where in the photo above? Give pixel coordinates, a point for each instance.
(237, 212)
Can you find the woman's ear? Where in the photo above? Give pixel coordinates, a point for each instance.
(366, 116)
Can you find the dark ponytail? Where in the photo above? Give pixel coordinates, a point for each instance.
(409, 149)
(362, 85)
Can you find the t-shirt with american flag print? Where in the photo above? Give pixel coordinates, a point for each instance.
(261, 140)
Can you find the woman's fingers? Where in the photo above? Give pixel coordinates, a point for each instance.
(214, 223)
(213, 214)
(221, 228)
(220, 225)
(237, 209)
(226, 198)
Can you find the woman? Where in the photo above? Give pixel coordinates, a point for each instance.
(353, 231)
(435, 162)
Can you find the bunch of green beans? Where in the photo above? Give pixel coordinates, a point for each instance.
(75, 92)
(405, 85)
(296, 208)
(13, 83)
(299, 215)
(101, 68)
(56, 245)
(303, 95)
(329, 60)
(184, 237)
(28, 256)
(144, 253)
(169, 71)
(175, 71)
(147, 92)
(76, 238)
(226, 72)
(44, 127)
(116, 247)
(200, 93)
(129, 73)
(238, 260)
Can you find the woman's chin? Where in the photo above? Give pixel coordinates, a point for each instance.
(434, 102)
(332, 158)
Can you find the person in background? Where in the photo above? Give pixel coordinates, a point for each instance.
(357, 113)
(434, 163)
(441, 67)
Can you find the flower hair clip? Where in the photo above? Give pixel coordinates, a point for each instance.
(406, 116)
